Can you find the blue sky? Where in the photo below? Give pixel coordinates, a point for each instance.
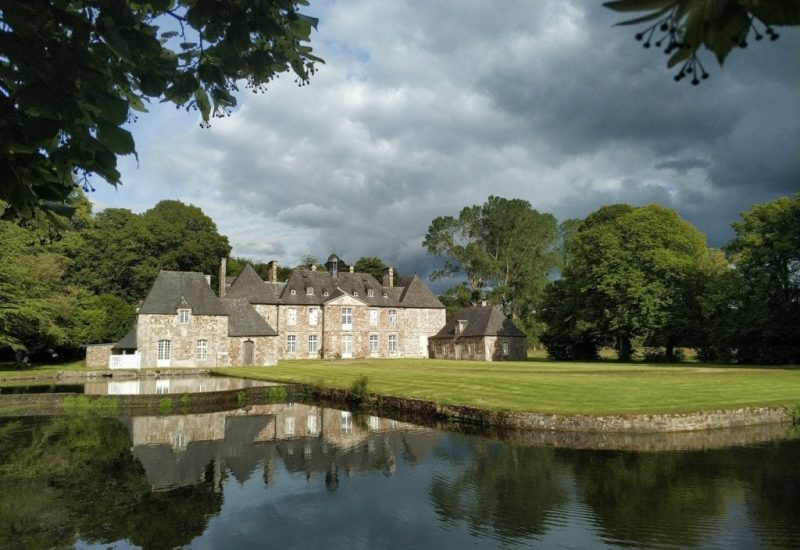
(425, 107)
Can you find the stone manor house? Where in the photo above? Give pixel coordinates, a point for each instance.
(314, 314)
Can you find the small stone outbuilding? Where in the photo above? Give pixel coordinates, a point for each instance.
(480, 333)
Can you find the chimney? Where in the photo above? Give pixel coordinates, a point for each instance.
(223, 271)
(313, 267)
(352, 269)
(208, 279)
(391, 277)
(273, 272)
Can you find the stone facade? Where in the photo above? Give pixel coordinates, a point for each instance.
(183, 338)
(97, 355)
(480, 334)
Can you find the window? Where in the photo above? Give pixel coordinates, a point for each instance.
(288, 425)
(183, 316)
(347, 346)
(462, 326)
(392, 343)
(202, 349)
(347, 318)
(311, 424)
(373, 317)
(385, 294)
(505, 347)
(392, 316)
(326, 293)
(373, 343)
(312, 343)
(347, 423)
(313, 316)
(355, 293)
(310, 291)
(164, 350)
(291, 343)
(370, 293)
(292, 292)
(291, 316)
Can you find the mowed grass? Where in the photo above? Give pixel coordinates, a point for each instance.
(551, 387)
(11, 371)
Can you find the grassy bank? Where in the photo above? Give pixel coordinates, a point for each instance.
(11, 371)
(549, 387)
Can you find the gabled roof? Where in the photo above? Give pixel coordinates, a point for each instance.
(249, 285)
(417, 294)
(173, 289)
(481, 321)
(244, 320)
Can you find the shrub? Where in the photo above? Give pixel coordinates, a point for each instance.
(359, 389)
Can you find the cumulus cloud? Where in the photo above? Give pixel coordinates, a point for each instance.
(423, 108)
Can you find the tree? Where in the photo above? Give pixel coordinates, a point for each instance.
(628, 277)
(763, 303)
(457, 297)
(681, 27)
(123, 252)
(72, 71)
(374, 266)
(503, 246)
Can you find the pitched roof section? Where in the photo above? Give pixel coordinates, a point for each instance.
(244, 320)
(171, 289)
(308, 288)
(128, 341)
(418, 295)
(481, 321)
(249, 285)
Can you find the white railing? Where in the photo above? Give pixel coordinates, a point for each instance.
(132, 361)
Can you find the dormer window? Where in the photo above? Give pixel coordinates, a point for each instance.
(326, 293)
(183, 316)
(355, 293)
(370, 293)
(385, 294)
(293, 292)
(310, 291)
(462, 326)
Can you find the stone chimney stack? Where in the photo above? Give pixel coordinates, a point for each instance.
(208, 279)
(391, 277)
(313, 267)
(223, 270)
(352, 269)
(273, 272)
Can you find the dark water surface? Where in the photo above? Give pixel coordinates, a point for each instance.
(302, 476)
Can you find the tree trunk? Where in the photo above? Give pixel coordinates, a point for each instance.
(670, 352)
(624, 348)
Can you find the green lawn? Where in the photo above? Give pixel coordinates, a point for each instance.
(11, 371)
(550, 387)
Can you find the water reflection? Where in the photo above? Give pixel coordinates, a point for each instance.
(302, 475)
(175, 450)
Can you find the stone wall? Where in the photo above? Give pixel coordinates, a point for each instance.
(264, 350)
(183, 337)
(412, 328)
(517, 348)
(480, 348)
(97, 355)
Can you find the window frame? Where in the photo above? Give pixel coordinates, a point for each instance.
(183, 316)
(315, 339)
(291, 316)
(374, 343)
(291, 343)
(201, 349)
(393, 317)
(164, 351)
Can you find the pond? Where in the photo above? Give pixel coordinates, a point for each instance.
(136, 386)
(300, 475)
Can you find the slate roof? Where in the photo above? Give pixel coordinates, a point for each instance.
(481, 321)
(249, 285)
(411, 292)
(128, 341)
(244, 320)
(416, 294)
(171, 289)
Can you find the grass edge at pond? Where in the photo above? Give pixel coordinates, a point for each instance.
(546, 387)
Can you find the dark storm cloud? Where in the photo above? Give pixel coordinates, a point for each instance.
(423, 108)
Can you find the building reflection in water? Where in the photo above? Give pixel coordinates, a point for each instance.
(176, 450)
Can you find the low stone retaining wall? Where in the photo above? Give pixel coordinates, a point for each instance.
(634, 423)
(71, 375)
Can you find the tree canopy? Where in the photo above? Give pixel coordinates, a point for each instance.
(504, 247)
(681, 27)
(627, 277)
(72, 72)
